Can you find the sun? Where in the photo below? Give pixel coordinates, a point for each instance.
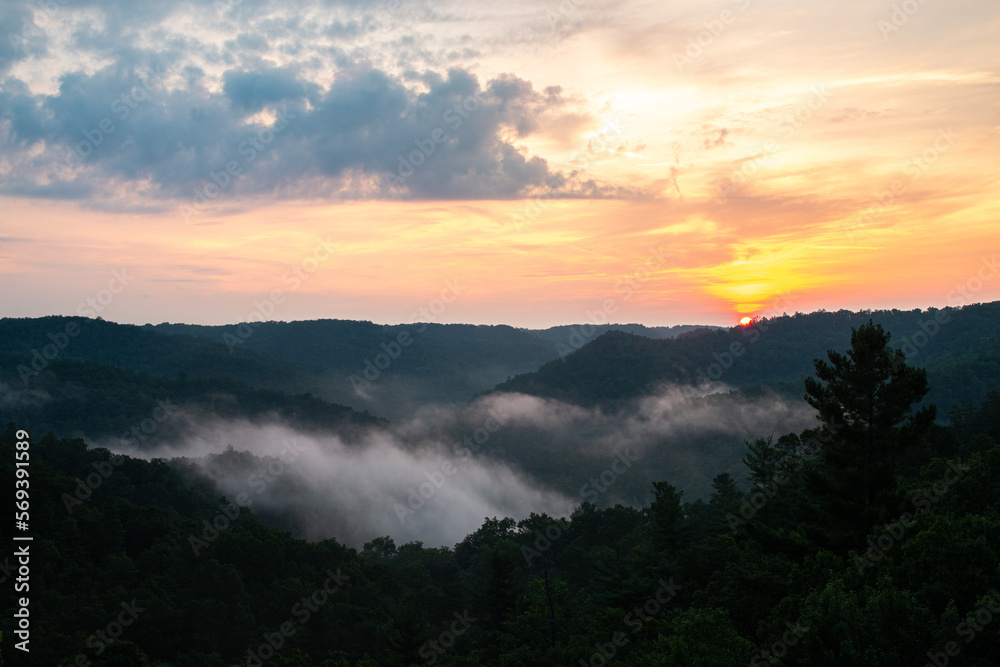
(746, 321)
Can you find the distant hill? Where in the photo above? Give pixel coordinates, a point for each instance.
(88, 377)
(389, 370)
(365, 365)
(88, 399)
(571, 337)
(29, 345)
(385, 370)
(76, 376)
(960, 347)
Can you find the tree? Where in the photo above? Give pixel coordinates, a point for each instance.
(380, 547)
(667, 514)
(538, 524)
(702, 638)
(725, 500)
(724, 491)
(761, 460)
(864, 400)
(790, 452)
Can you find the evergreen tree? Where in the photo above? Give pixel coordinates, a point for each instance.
(762, 459)
(667, 515)
(864, 399)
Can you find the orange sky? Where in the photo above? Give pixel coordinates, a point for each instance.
(742, 176)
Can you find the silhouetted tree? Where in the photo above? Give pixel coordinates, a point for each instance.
(864, 399)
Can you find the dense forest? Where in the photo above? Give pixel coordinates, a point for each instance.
(873, 539)
(363, 365)
(380, 368)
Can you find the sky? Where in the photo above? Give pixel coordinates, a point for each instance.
(524, 163)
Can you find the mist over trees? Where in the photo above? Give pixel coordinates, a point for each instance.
(872, 537)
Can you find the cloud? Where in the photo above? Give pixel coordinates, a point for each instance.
(252, 90)
(719, 138)
(368, 135)
(20, 36)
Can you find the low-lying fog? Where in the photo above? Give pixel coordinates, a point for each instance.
(435, 476)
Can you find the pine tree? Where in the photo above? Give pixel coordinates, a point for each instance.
(670, 532)
(865, 400)
(762, 459)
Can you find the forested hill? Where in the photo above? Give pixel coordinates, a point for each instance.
(450, 362)
(574, 336)
(394, 367)
(438, 362)
(959, 347)
(77, 376)
(335, 360)
(819, 564)
(340, 344)
(28, 347)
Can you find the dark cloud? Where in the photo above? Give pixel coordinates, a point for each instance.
(251, 91)
(20, 37)
(370, 134)
(21, 109)
(252, 42)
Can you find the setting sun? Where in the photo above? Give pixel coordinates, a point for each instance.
(746, 321)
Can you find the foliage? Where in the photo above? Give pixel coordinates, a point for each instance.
(675, 583)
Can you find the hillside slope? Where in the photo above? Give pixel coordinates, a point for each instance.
(960, 348)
